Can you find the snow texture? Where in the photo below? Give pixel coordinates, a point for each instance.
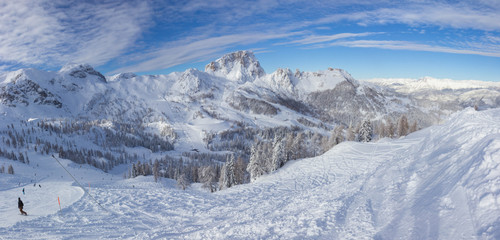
(442, 182)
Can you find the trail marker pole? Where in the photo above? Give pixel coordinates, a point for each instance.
(59, 203)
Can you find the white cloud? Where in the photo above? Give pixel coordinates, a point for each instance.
(50, 33)
(53, 33)
(460, 16)
(405, 45)
(196, 50)
(327, 38)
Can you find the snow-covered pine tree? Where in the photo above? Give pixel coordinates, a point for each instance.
(365, 131)
(278, 158)
(255, 167)
(10, 170)
(227, 178)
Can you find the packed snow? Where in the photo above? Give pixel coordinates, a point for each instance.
(442, 182)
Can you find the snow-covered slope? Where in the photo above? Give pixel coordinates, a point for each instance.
(76, 111)
(439, 183)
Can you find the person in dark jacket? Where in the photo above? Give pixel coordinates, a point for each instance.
(20, 205)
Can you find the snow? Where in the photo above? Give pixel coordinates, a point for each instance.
(442, 182)
(408, 85)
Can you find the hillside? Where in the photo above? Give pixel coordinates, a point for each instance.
(79, 114)
(438, 183)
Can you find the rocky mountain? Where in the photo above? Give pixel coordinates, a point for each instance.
(225, 108)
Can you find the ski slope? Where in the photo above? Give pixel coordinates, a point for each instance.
(442, 182)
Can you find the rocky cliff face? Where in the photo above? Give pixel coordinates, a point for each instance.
(23, 91)
(241, 66)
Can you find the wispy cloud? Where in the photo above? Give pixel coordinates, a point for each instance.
(151, 35)
(55, 32)
(196, 50)
(460, 16)
(405, 45)
(328, 38)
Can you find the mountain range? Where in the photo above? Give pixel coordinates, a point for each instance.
(233, 94)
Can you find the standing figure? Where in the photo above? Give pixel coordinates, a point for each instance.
(23, 191)
(20, 205)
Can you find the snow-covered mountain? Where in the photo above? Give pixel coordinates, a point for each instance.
(197, 109)
(189, 126)
(439, 183)
(446, 93)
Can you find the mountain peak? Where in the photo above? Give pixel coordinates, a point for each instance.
(127, 75)
(241, 66)
(81, 71)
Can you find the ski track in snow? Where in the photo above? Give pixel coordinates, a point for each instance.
(439, 183)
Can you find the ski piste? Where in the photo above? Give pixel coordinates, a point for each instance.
(393, 188)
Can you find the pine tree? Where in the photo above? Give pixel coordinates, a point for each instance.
(227, 178)
(255, 167)
(365, 131)
(278, 158)
(10, 170)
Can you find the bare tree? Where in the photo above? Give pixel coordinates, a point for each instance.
(413, 127)
(183, 182)
(208, 178)
(403, 126)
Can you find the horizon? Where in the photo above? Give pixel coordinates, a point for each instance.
(368, 39)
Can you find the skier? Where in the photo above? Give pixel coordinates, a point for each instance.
(20, 205)
(23, 191)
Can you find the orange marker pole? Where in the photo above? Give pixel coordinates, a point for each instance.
(59, 203)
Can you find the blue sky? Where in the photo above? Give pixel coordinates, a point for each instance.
(368, 38)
